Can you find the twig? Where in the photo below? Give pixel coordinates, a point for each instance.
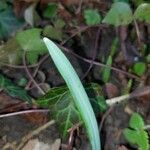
(99, 64)
(79, 7)
(134, 94)
(23, 112)
(36, 70)
(71, 139)
(18, 66)
(137, 32)
(105, 116)
(118, 99)
(81, 29)
(30, 76)
(34, 133)
(94, 53)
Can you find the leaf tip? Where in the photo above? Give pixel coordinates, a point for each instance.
(45, 39)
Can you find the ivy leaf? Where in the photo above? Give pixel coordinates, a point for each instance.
(142, 12)
(32, 57)
(119, 14)
(8, 23)
(65, 113)
(139, 68)
(136, 122)
(31, 42)
(60, 103)
(53, 33)
(92, 17)
(11, 89)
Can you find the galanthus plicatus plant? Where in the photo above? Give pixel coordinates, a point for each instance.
(77, 91)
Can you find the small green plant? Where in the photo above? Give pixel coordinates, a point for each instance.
(136, 133)
(13, 90)
(92, 17)
(139, 68)
(119, 14)
(106, 72)
(77, 91)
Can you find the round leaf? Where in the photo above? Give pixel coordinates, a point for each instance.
(142, 13)
(119, 14)
(139, 68)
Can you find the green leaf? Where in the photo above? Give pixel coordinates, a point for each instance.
(65, 113)
(119, 14)
(51, 10)
(32, 57)
(8, 23)
(77, 91)
(92, 17)
(136, 122)
(60, 103)
(99, 104)
(131, 135)
(139, 68)
(142, 13)
(106, 71)
(139, 138)
(11, 89)
(31, 42)
(53, 33)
